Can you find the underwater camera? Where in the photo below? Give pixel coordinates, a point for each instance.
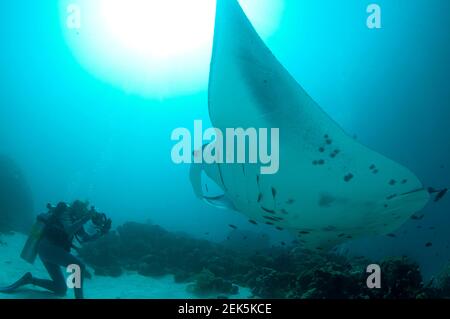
(101, 222)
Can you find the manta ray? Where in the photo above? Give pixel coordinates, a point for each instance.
(329, 188)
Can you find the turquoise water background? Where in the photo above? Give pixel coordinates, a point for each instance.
(76, 136)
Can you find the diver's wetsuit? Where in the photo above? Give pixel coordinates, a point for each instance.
(54, 251)
(54, 257)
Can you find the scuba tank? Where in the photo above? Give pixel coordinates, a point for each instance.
(30, 250)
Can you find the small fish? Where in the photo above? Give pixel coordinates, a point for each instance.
(372, 167)
(268, 210)
(428, 244)
(431, 190)
(279, 228)
(206, 188)
(260, 196)
(283, 243)
(441, 194)
(270, 218)
(415, 217)
(207, 233)
(392, 235)
(274, 192)
(232, 226)
(304, 232)
(341, 235)
(270, 223)
(251, 221)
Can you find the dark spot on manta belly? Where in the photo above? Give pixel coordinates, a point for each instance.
(348, 177)
(392, 182)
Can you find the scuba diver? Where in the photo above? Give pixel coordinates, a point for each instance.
(52, 239)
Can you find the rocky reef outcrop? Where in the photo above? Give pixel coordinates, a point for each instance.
(16, 204)
(275, 272)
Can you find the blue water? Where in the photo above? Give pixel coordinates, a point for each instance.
(76, 136)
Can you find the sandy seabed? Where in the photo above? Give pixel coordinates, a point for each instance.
(130, 285)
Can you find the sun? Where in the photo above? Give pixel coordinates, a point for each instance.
(152, 47)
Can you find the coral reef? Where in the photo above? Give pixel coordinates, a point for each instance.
(443, 282)
(208, 283)
(274, 272)
(16, 205)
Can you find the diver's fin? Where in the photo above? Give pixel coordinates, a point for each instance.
(25, 280)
